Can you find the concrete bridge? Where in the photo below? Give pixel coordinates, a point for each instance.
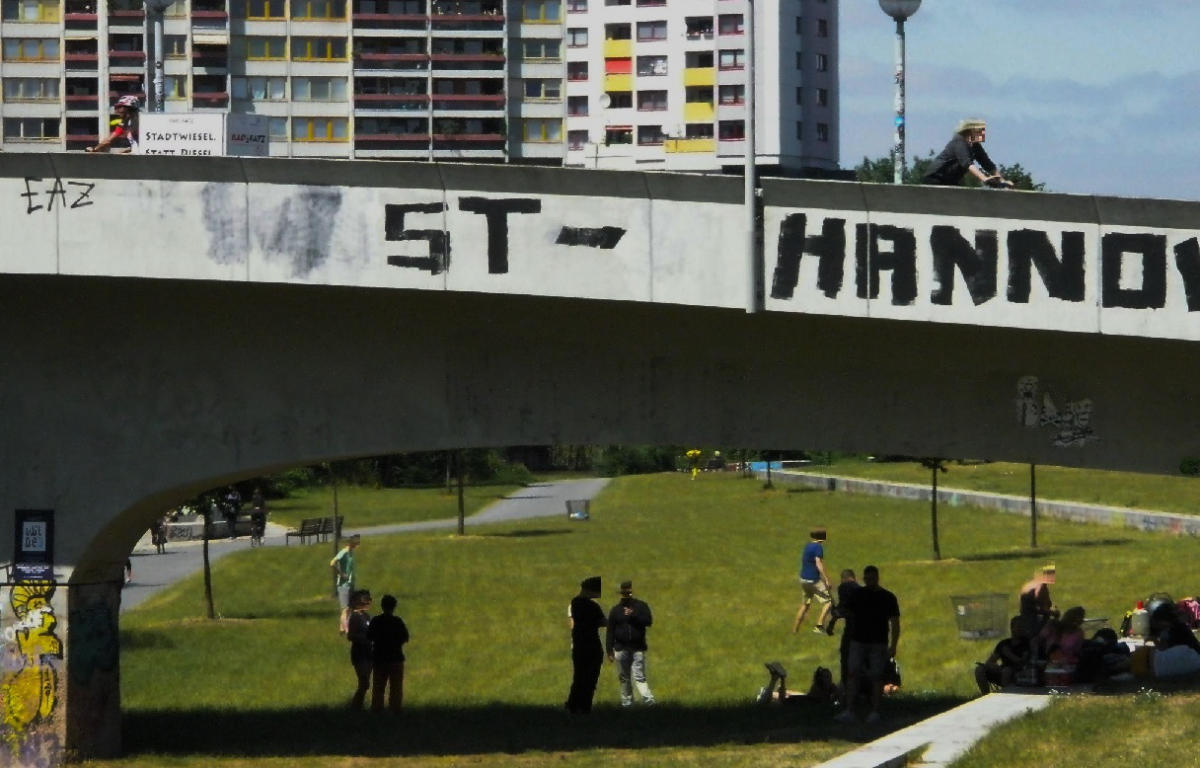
(171, 324)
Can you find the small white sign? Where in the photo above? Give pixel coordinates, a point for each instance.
(33, 536)
(247, 136)
(182, 134)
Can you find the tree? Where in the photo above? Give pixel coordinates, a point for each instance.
(880, 171)
(934, 465)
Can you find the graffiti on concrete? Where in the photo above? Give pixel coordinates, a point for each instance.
(1072, 423)
(30, 680)
(70, 194)
(93, 641)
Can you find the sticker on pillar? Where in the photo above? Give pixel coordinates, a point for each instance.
(33, 545)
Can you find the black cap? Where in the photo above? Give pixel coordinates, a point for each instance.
(626, 587)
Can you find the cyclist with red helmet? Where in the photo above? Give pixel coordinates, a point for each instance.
(127, 109)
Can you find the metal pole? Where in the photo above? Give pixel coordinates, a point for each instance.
(751, 202)
(1033, 506)
(898, 157)
(160, 93)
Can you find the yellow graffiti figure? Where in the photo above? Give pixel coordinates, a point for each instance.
(29, 677)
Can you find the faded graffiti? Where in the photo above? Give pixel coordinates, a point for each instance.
(301, 228)
(29, 680)
(1073, 421)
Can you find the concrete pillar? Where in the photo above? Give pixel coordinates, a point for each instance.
(60, 694)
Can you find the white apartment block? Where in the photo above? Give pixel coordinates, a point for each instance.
(594, 83)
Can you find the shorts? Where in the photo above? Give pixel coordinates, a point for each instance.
(871, 659)
(813, 589)
(343, 593)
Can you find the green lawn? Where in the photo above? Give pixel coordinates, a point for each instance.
(489, 664)
(1119, 489)
(363, 507)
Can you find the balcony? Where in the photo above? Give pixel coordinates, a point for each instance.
(468, 61)
(126, 58)
(698, 112)
(210, 100)
(693, 76)
(683, 146)
(407, 21)
(209, 9)
(216, 58)
(401, 61)
(82, 101)
(618, 49)
(618, 82)
(392, 101)
(463, 22)
(477, 102)
(81, 62)
(80, 15)
(126, 14)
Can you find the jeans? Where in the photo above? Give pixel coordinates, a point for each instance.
(632, 664)
(362, 670)
(586, 664)
(390, 676)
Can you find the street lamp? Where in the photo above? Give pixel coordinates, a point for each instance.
(156, 10)
(899, 10)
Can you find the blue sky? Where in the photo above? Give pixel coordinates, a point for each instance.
(1090, 96)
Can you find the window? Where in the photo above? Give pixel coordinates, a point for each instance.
(799, 130)
(822, 62)
(543, 90)
(651, 30)
(175, 46)
(259, 9)
(800, 95)
(577, 6)
(577, 106)
(318, 10)
(731, 130)
(648, 66)
(799, 25)
(45, 11)
(175, 87)
(699, 28)
(618, 135)
(732, 94)
(799, 60)
(31, 49)
(319, 129)
(542, 11)
(577, 38)
(31, 89)
(731, 24)
(822, 132)
(277, 128)
(176, 10)
(698, 94)
(617, 32)
(619, 99)
(547, 131)
(318, 49)
(698, 59)
(543, 50)
(265, 48)
(261, 88)
(822, 97)
(577, 70)
(318, 89)
(822, 28)
(620, 65)
(652, 101)
(650, 134)
(576, 139)
(699, 131)
(616, 2)
(30, 128)
(733, 58)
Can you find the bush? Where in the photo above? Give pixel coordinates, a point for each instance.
(636, 460)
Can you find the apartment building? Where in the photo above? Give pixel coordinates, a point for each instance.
(617, 83)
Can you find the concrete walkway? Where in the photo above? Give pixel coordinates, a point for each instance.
(153, 572)
(944, 737)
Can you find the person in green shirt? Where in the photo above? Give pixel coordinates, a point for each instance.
(343, 570)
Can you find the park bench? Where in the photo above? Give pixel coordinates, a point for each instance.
(328, 528)
(316, 529)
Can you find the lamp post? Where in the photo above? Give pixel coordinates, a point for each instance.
(156, 11)
(899, 10)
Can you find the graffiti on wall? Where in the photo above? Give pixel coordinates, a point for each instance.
(30, 676)
(1036, 408)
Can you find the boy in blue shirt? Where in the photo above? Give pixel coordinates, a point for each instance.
(814, 583)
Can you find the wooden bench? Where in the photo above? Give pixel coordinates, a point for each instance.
(328, 529)
(310, 528)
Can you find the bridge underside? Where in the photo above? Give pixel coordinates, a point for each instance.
(123, 396)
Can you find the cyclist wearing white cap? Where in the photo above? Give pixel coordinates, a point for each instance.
(127, 109)
(964, 154)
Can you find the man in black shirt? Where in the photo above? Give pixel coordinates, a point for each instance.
(625, 642)
(1009, 656)
(962, 155)
(388, 634)
(587, 655)
(848, 587)
(874, 627)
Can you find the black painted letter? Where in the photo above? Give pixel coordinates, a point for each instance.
(1153, 251)
(829, 247)
(1063, 279)
(977, 264)
(901, 260)
(497, 211)
(438, 259)
(1187, 261)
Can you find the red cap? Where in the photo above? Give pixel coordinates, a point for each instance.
(1141, 606)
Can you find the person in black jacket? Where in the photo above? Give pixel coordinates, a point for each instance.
(388, 635)
(964, 154)
(625, 642)
(587, 655)
(358, 624)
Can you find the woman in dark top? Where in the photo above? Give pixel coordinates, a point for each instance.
(360, 644)
(964, 154)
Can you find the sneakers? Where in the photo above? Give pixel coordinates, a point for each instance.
(819, 630)
(873, 717)
(847, 717)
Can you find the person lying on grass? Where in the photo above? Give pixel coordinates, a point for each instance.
(822, 691)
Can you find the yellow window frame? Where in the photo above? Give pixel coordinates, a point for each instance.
(41, 47)
(48, 13)
(268, 55)
(541, 17)
(312, 122)
(273, 10)
(312, 49)
(318, 10)
(541, 134)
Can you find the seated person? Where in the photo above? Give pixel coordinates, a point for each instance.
(1009, 655)
(822, 691)
(1061, 641)
(1168, 629)
(1102, 657)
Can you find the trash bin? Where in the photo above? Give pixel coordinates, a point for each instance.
(981, 617)
(579, 509)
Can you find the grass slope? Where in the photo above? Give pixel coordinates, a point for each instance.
(489, 663)
(363, 507)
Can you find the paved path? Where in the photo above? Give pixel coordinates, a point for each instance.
(153, 572)
(944, 737)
